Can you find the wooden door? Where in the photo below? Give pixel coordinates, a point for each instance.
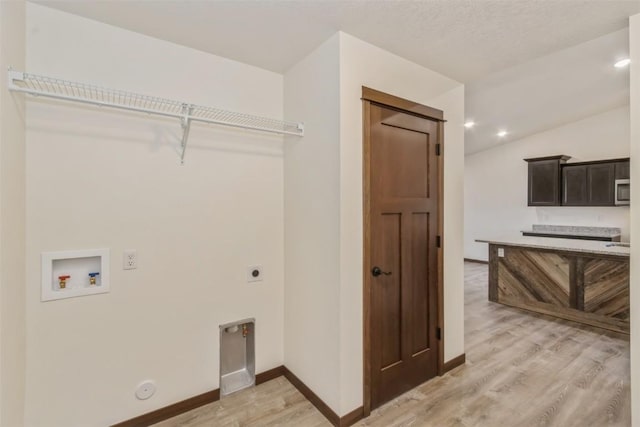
(404, 171)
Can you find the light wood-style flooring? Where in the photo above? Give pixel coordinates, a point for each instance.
(522, 369)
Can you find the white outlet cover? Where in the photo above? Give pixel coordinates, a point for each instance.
(130, 259)
(255, 273)
(501, 252)
(145, 390)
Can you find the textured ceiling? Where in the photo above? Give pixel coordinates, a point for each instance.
(528, 65)
(462, 39)
(559, 88)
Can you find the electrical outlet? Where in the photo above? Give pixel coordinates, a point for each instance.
(254, 273)
(130, 260)
(501, 252)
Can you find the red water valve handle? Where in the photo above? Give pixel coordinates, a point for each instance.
(64, 277)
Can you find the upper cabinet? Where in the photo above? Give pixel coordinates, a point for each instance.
(601, 184)
(622, 169)
(588, 184)
(574, 185)
(545, 178)
(553, 182)
(592, 183)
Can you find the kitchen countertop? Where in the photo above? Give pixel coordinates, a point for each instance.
(578, 231)
(588, 246)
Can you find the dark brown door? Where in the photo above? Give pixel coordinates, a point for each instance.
(404, 183)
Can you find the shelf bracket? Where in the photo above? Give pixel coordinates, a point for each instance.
(187, 109)
(14, 76)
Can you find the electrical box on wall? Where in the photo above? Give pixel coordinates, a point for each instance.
(70, 274)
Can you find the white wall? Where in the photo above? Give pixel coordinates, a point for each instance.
(312, 227)
(634, 143)
(496, 180)
(12, 220)
(97, 178)
(452, 103)
(323, 209)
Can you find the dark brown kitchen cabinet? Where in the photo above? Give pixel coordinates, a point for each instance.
(600, 184)
(592, 183)
(622, 169)
(554, 182)
(574, 185)
(544, 188)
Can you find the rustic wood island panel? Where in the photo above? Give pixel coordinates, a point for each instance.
(583, 287)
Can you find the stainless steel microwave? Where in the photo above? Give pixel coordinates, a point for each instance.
(623, 192)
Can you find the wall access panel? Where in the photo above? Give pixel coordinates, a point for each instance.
(70, 274)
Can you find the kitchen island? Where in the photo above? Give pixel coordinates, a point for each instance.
(578, 280)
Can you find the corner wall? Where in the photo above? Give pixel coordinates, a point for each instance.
(634, 142)
(312, 227)
(103, 178)
(496, 180)
(363, 64)
(12, 219)
(324, 217)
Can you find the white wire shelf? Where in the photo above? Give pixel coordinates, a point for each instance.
(96, 95)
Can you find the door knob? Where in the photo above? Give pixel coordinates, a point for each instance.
(376, 271)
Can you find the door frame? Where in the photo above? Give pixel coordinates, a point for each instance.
(372, 96)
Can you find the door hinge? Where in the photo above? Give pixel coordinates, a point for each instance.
(438, 242)
(439, 333)
(437, 149)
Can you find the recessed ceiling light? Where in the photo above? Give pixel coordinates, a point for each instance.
(469, 124)
(502, 133)
(622, 63)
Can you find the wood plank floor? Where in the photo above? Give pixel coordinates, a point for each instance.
(522, 369)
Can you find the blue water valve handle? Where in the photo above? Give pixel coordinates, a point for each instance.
(92, 278)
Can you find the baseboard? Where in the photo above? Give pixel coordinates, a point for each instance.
(269, 375)
(212, 396)
(479, 261)
(453, 363)
(345, 421)
(352, 417)
(172, 410)
(191, 403)
(312, 397)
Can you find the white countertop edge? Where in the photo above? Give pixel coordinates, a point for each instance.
(573, 245)
(566, 233)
